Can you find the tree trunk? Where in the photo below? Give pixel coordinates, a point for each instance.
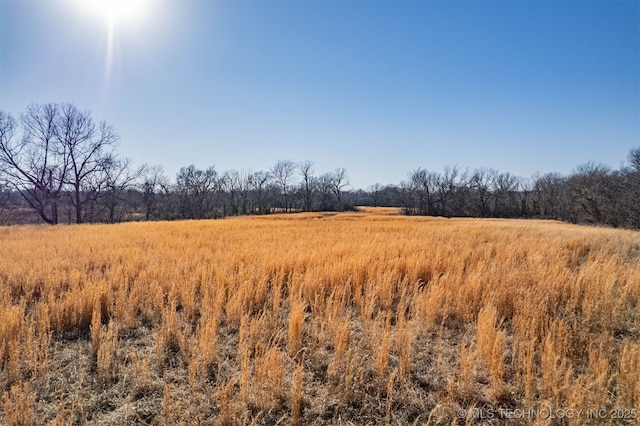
(78, 204)
(54, 213)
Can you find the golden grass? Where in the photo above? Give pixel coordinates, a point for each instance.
(369, 317)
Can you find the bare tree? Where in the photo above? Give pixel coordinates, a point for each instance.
(259, 182)
(340, 181)
(90, 150)
(375, 191)
(446, 187)
(461, 194)
(236, 185)
(244, 191)
(154, 182)
(549, 195)
(36, 165)
(424, 185)
(325, 189)
(306, 171)
(407, 196)
(592, 192)
(505, 189)
(196, 189)
(229, 183)
(60, 147)
(112, 184)
(482, 181)
(525, 194)
(282, 173)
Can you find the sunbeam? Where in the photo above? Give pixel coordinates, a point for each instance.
(116, 15)
(108, 57)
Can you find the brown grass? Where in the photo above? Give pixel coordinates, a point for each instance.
(364, 317)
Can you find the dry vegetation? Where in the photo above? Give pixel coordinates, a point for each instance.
(315, 319)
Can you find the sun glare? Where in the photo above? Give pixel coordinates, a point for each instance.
(116, 14)
(117, 10)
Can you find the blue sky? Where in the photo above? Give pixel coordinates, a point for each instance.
(377, 87)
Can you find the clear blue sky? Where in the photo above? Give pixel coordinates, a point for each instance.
(378, 87)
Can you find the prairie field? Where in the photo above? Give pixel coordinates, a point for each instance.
(367, 317)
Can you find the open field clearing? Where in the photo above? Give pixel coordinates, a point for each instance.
(364, 317)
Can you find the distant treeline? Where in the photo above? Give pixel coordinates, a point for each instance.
(58, 166)
(593, 194)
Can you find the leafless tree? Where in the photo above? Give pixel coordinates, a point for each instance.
(325, 189)
(196, 189)
(549, 195)
(112, 184)
(505, 190)
(462, 194)
(259, 183)
(236, 185)
(61, 148)
(446, 187)
(340, 181)
(375, 191)
(407, 196)
(591, 192)
(525, 195)
(282, 173)
(306, 171)
(229, 183)
(482, 181)
(90, 150)
(424, 185)
(154, 183)
(36, 165)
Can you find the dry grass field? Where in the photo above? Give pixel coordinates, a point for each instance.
(351, 318)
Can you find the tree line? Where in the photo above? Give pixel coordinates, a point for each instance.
(57, 165)
(592, 194)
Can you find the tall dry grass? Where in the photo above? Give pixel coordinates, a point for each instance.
(316, 318)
